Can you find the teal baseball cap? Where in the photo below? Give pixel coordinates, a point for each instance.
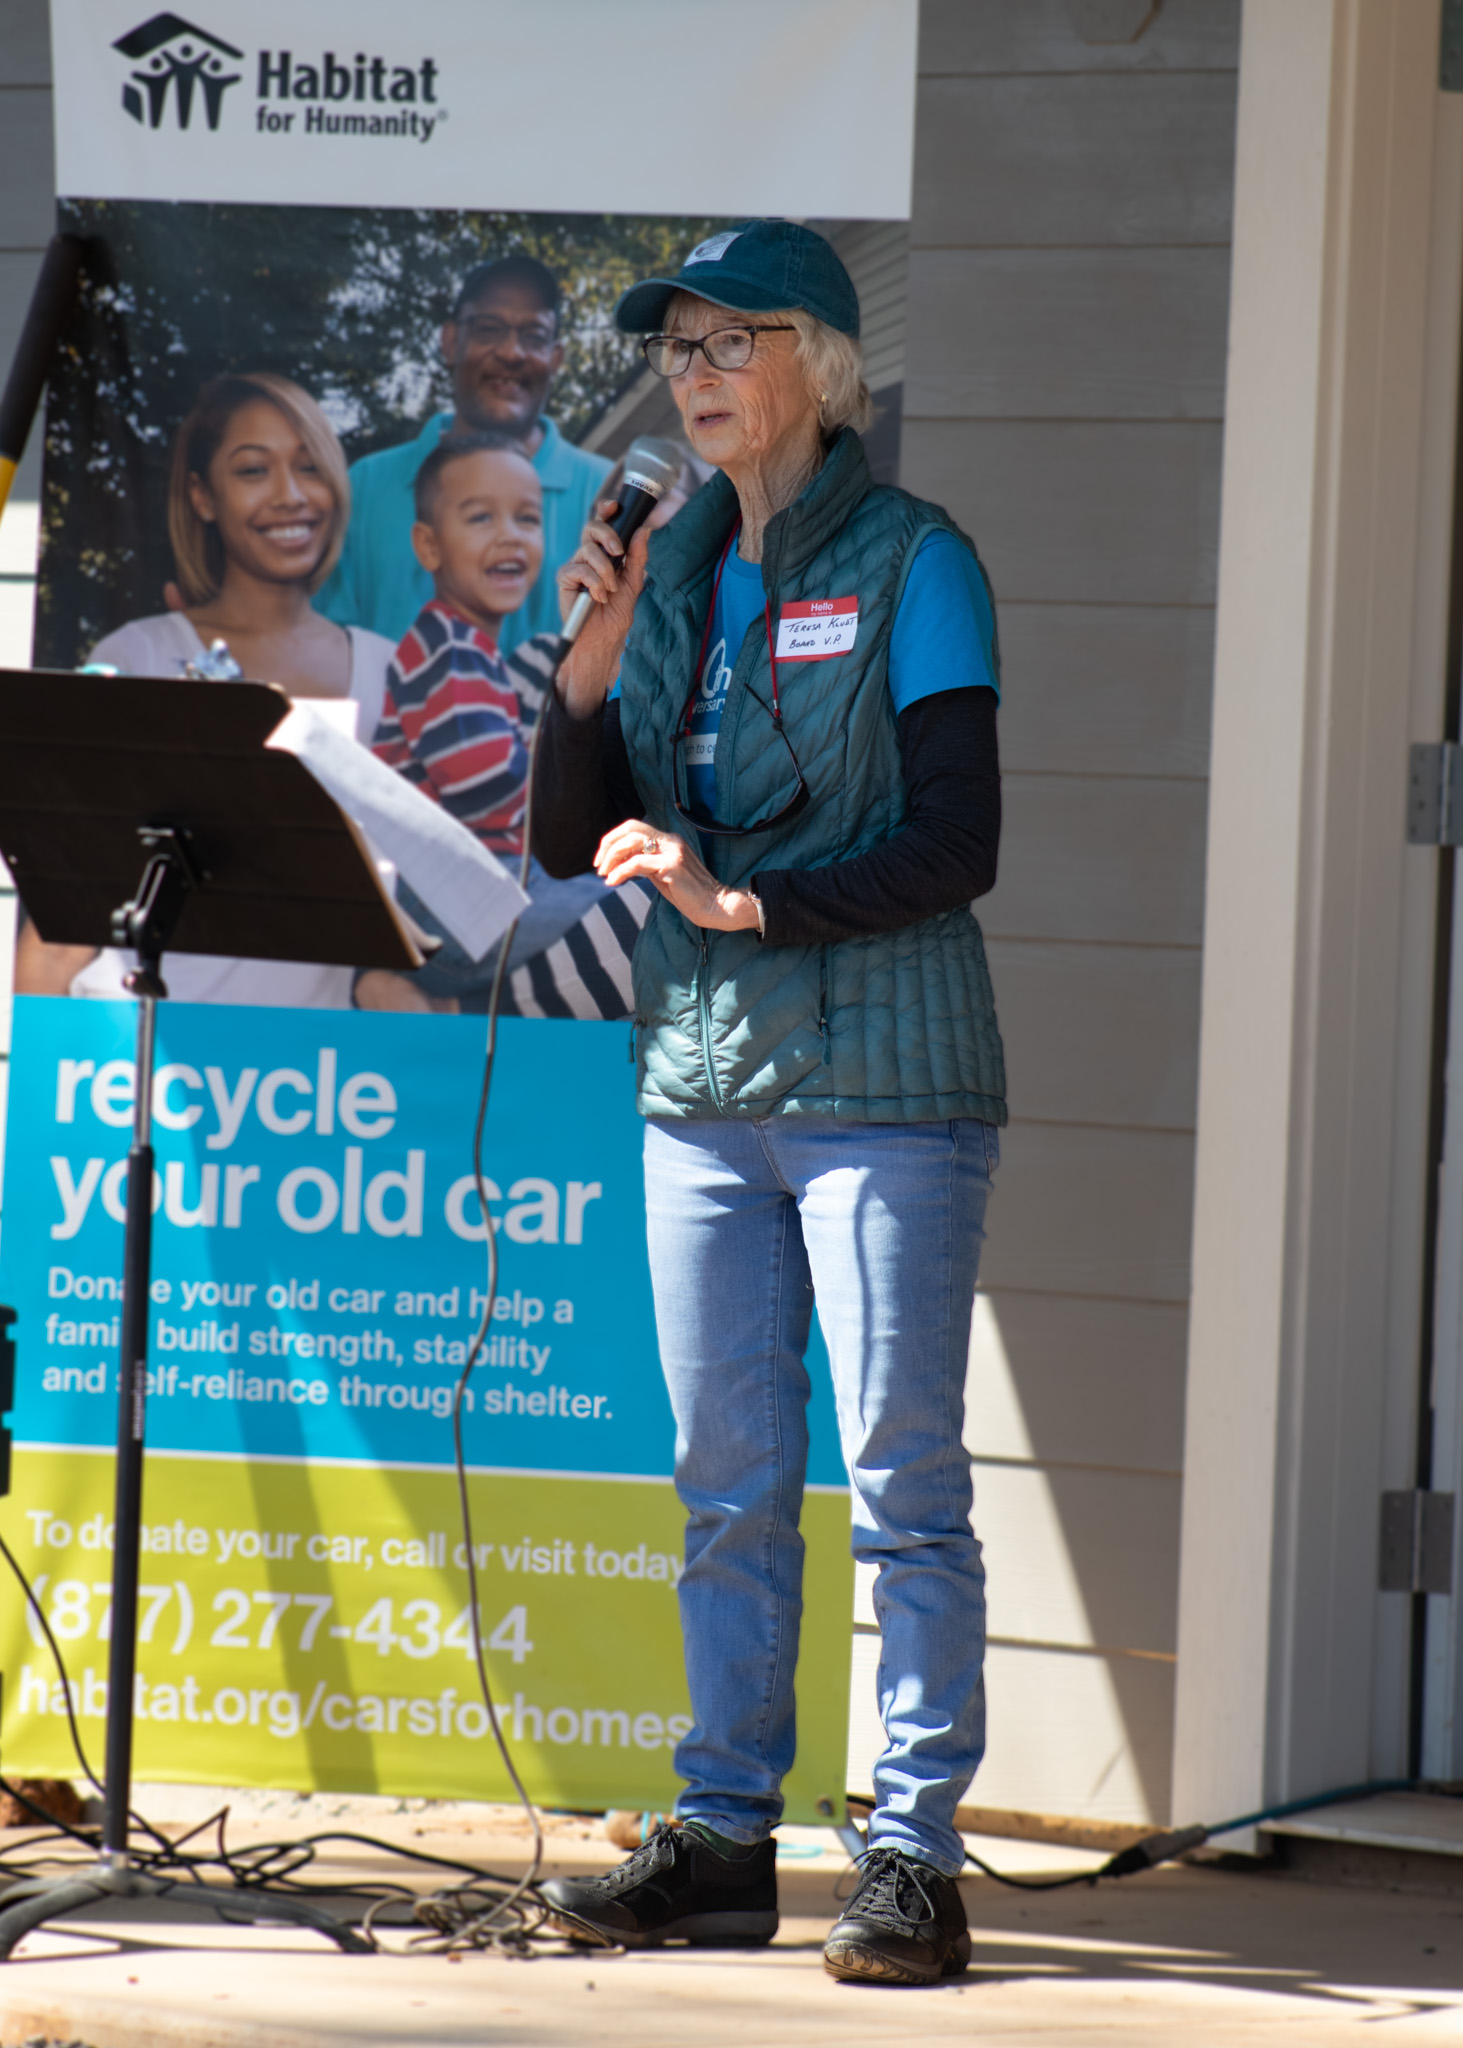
(762, 266)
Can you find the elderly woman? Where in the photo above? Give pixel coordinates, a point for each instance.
(802, 759)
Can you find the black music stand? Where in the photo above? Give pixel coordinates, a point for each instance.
(151, 815)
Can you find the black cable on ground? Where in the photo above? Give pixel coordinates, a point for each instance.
(1167, 1846)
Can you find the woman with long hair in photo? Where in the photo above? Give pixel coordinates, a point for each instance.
(258, 502)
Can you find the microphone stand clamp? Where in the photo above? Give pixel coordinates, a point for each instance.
(145, 925)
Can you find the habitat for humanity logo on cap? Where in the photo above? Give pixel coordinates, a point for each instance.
(175, 60)
(714, 247)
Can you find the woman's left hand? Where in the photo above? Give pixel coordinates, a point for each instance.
(681, 876)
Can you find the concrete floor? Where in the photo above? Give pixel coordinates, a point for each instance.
(1205, 1955)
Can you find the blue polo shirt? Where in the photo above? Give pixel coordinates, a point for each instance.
(379, 583)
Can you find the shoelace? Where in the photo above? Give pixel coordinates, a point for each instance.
(887, 1873)
(656, 1852)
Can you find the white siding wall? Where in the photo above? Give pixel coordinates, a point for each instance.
(1063, 396)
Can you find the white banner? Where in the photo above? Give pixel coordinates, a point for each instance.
(796, 107)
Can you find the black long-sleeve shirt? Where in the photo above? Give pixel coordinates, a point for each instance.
(942, 856)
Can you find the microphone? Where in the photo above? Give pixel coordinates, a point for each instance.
(652, 467)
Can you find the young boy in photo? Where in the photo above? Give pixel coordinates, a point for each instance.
(453, 721)
(458, 719)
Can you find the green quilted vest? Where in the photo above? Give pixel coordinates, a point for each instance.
(899, 1028)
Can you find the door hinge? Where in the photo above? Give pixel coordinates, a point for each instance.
(1434, 794)
(1417, 1542)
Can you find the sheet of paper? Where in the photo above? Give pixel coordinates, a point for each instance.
(456, 876)
(344, 713)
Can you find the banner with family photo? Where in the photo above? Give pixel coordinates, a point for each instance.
(341, 391)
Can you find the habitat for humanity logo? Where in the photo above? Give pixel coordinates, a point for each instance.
(174, 60)
(174, 57)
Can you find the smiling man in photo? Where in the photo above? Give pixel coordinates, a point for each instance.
(503, 346)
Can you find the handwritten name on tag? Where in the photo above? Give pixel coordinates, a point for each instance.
(817, 628)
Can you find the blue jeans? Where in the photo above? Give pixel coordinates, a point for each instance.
(747, 1220)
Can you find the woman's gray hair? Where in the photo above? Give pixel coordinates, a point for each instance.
(834, 366)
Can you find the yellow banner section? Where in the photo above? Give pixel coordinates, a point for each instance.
(308, 1627)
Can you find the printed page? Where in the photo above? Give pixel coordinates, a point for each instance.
(459, 880)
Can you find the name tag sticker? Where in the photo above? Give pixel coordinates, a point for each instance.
(817, 628)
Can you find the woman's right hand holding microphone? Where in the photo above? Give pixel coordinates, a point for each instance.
(613, 578)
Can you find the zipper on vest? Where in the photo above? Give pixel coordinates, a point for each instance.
(633, 1022)
(823, 1009)
(703, 1004)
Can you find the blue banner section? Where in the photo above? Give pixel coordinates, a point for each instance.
(319, 1251)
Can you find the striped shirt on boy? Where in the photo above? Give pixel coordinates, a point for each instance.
(458, 718)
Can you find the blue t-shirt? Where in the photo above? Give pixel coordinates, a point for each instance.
(943, 639)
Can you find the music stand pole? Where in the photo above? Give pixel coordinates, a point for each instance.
(144, 925)
(131, 1412)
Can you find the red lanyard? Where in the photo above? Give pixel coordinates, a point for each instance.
(686, 714)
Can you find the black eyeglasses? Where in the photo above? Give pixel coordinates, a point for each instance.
(680, 797)
(534, 337)
(729, 348)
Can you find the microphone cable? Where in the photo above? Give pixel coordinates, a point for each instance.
(478, 1927)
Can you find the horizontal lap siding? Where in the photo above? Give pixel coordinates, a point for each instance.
(1066, 1380)
(1116, 334)
(1100, 1034)
(1099, 858)
(971, 37)
(1064, 381)
(27, 202)
(1067, 1732)
(1074, 161)
(1079, 511)
(1106, 689)
(1091, 1209)
(1034, 1591)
